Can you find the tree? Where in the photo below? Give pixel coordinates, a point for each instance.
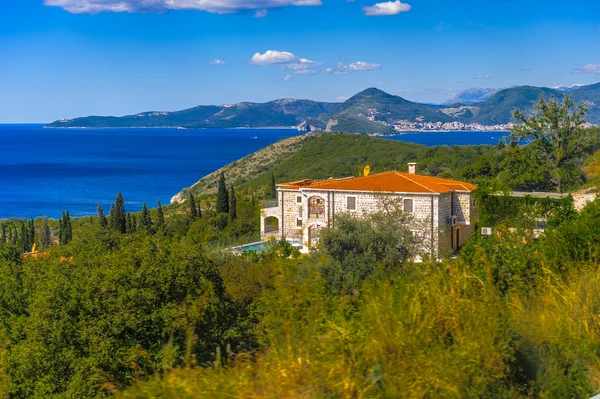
(128, 228)
(45, 234)
(272, 188)
(365, 248)
(145, 220)
(117, 214)
(66, 229)
(31, 231)
(3, 232)
(101, 218)
(192, 204)
(25, 238)
(232, 205)
(69, 228)
(222, 196)
(556, 140)
(160, 219)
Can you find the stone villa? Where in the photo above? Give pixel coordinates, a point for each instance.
(444, 207)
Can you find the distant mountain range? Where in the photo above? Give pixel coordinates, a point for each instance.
(371, 111)
(471, 96)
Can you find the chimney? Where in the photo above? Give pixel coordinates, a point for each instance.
(412, 168)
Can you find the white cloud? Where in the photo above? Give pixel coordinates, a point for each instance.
(386, 8)
(342, 98)
(212, 6)
(593, 69)
(483, 77)
(343, 69)
(260, 13)
(286, 61)
(273, 57)
(363, 66)
(217, 62)
(299, 72)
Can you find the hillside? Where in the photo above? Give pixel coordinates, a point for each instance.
(371, 111)
(499, 108)
(384, 107)
(284, 112)
(325, 155)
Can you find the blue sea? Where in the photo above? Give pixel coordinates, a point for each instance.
(45, 171)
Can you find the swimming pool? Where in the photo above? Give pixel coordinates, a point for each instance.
(262, 246)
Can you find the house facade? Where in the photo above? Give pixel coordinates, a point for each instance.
(443, 209)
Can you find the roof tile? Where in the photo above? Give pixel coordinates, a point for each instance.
(384, 182)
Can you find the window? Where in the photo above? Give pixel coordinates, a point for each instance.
(351, 203)
(408, 205)
(299, 199)
(298, 222)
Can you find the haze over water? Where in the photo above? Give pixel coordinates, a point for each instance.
(45, 171)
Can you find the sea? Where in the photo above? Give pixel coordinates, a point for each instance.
(45, 171)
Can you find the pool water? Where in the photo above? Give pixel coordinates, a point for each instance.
(262, 246)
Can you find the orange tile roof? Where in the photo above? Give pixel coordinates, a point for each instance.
(393, 181)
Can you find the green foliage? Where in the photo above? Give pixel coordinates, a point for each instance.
(556, 141)
(117, 214)
(115, 309)
(192, 205)
(101, 218)
(232, 205)
(366, 249)
(145, 220)
(45, 234)
(222, 196)
(160, 218)
(272, 191)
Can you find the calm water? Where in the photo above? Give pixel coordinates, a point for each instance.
(43, 171)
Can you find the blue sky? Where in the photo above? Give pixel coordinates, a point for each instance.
(69, 58)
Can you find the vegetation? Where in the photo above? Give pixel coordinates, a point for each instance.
(508, 318)
(155, 309)
(556, 138)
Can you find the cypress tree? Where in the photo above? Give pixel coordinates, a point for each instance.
(232, 205)
(160, 220)
(3, 232)
(117, 214)
(45, 234)
(128, 223)
(68, 228)
(24, 238)
(61, 234)
(145, 220)
(193, 209)
(222, 196)
(31, 231)
(272, 188)
(253, 203)
(134, 223)
(101, 218)
(199, 210)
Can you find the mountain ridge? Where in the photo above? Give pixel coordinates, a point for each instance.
(371, 111)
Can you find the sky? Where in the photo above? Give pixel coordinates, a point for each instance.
(69, 58)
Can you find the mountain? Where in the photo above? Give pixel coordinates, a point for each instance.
(371, 111)
(590, 96)
(471, 96)
(284, 112)
(567, 89)
(499, 108)
(378, 105)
